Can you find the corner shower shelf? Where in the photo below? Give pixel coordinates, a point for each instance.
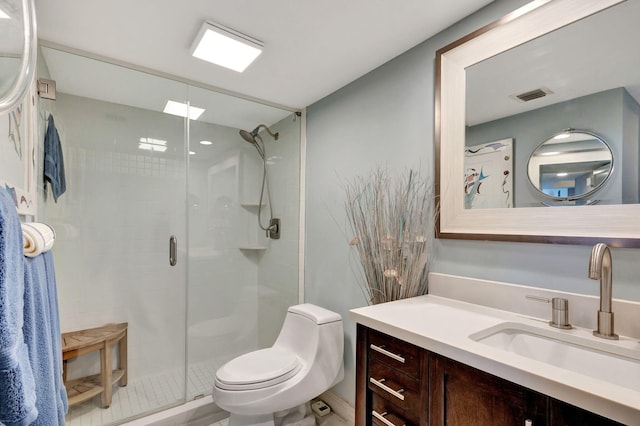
(253, 205)
(255, 248)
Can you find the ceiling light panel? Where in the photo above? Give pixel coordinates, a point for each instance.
(3, 15)
(181, 109)
(225, 47)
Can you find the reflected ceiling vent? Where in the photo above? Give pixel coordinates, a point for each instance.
(532, 94)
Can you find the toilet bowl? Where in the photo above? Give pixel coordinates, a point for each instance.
(305, 361)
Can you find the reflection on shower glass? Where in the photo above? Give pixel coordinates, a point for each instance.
(151, 144)
(181, 109)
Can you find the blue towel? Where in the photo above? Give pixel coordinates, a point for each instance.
(42, 336)
(17, 387)
(63, 403)
(53, 161)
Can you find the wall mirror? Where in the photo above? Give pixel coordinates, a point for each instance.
(570, 167)
(17, 51)
(524, 78)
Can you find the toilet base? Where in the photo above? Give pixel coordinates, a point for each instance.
(246, 420)
(295, 416)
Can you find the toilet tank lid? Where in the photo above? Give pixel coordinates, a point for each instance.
(315, 313)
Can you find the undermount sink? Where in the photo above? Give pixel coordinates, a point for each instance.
(575, 350)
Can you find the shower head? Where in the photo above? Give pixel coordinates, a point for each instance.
(248, 136)
(251, 136)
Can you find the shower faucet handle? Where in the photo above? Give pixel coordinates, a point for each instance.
(273, 230)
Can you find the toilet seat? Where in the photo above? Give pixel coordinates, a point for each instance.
(258, 369)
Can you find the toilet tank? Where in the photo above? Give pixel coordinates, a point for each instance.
(311, 332)
(315, 313)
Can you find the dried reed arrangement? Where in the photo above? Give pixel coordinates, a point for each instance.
(392, 224)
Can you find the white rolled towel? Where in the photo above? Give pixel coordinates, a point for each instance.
(38, 238)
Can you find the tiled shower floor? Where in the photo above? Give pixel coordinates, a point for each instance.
(143, 395)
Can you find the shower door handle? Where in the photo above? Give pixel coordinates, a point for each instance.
(173, 250)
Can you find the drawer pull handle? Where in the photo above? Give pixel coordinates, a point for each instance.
(382, 419)
(383, 351)
(397, 394)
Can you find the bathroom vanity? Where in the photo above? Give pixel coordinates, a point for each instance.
(433, 360)
(402, 384)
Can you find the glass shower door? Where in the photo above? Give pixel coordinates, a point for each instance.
(126, 178)
(240, 282)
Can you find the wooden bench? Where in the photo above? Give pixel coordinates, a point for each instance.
(81, 342)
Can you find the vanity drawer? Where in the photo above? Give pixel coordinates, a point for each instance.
(384, 413)
(396, 353)
(395, 387)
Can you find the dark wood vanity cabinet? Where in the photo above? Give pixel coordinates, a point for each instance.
(462, 395)
(401, 384)
(395, 373)
(561, 413)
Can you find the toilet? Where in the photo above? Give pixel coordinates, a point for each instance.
(305, 361)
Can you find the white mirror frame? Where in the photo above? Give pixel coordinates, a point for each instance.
(16, 93)
(616, 225)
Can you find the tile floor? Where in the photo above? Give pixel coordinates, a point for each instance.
(154, 393)
(329, 420)
(145, 395)
(223, 422)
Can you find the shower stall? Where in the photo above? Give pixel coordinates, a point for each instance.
(142, 182)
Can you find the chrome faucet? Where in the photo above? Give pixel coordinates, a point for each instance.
(600, 268)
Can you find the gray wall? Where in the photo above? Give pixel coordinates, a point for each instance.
(631, 150)
(600, 113)
(386, 119)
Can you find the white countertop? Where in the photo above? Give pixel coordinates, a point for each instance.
(443, 326)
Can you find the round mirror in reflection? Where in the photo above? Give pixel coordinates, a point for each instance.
(17, 51)
(570, 166)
